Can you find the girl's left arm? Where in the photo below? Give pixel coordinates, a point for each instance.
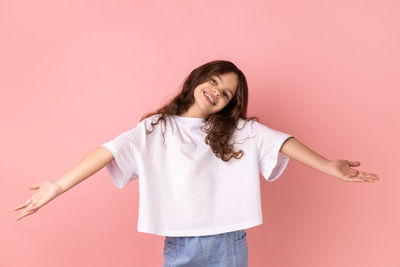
(340, 169)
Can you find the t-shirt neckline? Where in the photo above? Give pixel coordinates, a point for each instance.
(192, 120)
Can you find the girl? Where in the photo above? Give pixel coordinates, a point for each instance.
(198, 158)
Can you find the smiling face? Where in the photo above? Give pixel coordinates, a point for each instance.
(213, 95)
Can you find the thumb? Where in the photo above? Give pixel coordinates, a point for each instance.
(34, 186)
(354, 163)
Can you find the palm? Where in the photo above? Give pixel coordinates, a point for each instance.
(342, 169)
(47, 191)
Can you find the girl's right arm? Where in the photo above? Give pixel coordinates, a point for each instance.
(49, 189)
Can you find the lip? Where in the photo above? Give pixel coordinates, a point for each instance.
(211, 95)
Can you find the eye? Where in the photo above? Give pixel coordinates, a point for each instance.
(215, 82)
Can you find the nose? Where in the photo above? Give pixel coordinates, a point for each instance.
(216, 92)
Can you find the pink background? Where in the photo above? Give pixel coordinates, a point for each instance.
(75, 74)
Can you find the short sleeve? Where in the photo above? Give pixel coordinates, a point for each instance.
(126, 150)
(271, 162)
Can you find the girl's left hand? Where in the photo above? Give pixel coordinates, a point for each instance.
(342, 170)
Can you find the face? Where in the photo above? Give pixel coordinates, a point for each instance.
(213, 95)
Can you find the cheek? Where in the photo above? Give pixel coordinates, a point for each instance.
(197, 94)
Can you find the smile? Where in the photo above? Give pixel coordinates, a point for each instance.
(208, 97)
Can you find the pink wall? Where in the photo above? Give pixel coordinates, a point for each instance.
(74, 74)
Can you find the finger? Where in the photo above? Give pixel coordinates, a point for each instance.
(352, 173)
(373, 176)
(34, 205)
(361, 178)
(354, 180)
(354, 163)
(26, 213)
(366, 179)
(368, 176)
(34, 186)
(26, 203)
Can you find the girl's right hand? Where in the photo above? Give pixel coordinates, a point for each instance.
(47, 191)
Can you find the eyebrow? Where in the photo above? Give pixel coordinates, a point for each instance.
(223, 84)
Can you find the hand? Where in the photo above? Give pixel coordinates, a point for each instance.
(342, 170)
(47, 191)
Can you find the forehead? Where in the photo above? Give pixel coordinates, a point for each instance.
(228, 80)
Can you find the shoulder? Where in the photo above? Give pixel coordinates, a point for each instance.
(245, 125)
(267, 133)
(152, 122)
(255, 128)
(244, 128)
(150, 119)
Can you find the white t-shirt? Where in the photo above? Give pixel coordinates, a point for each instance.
(184, 189)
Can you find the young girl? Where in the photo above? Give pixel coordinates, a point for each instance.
(198, 158)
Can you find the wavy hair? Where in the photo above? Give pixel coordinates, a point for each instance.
(219, 126)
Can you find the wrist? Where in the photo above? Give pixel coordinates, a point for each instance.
(62, 188)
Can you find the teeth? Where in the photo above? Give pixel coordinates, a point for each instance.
(209, 98)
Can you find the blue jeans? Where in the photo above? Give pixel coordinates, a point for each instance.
(221, 250)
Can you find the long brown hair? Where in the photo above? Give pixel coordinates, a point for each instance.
(221, 124)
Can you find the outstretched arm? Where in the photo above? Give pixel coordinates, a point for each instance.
(340, 169)
(50, 189)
